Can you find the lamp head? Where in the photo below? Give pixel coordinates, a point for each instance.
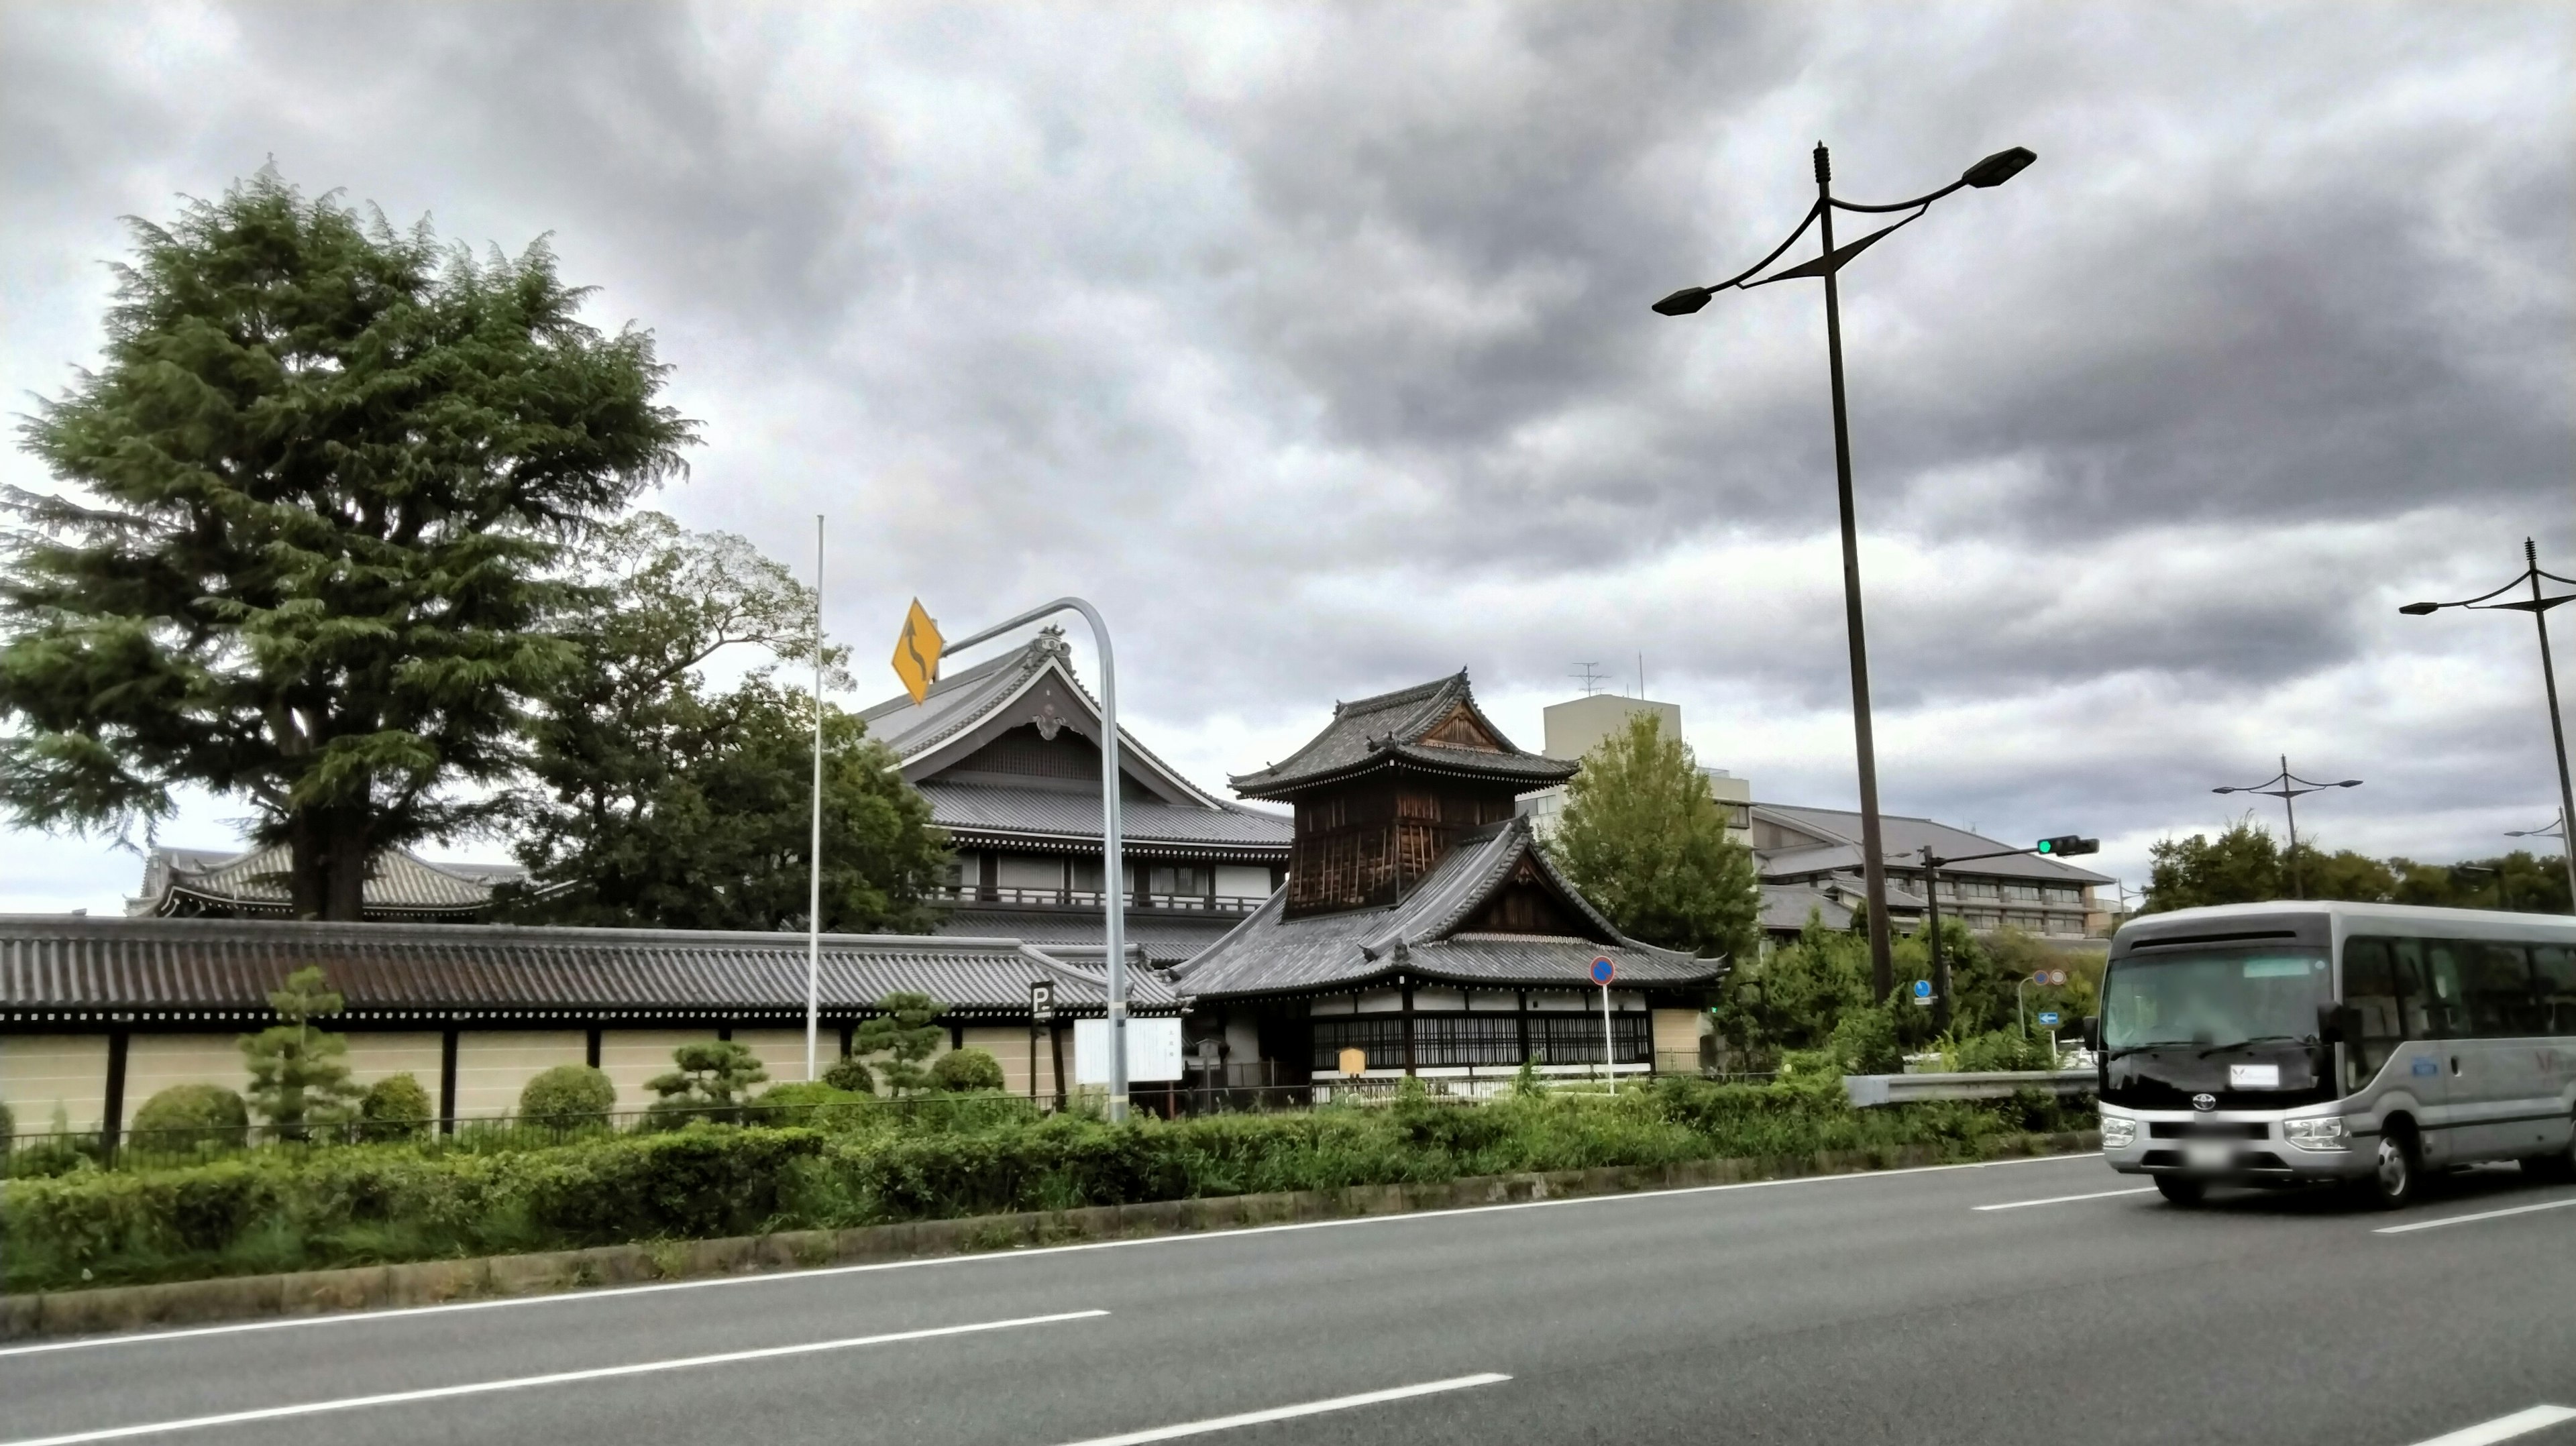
(2349, 783)
(1998, 168)
(2417, 610)
(2222, 790)
(1684, 301)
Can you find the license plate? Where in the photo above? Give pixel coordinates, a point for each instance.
(2207, 1154)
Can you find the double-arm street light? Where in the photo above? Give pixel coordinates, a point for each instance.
(1994, 170)
(2538, 607)
(2287, 786)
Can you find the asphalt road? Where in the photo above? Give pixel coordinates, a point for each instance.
(1896, 1307)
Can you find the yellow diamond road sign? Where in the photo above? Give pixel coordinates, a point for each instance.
(916, 653)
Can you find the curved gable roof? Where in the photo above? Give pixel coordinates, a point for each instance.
(968, 709)
(1399, 727)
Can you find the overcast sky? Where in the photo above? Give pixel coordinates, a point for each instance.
(1312, 345)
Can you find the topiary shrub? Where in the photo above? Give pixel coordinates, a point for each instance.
(963, 1070)
(8, 1122)
(567, 1097)
(192, 1117)
(394, 1108)
(850, 1075)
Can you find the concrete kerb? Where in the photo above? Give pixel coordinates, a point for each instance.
(434, 1282)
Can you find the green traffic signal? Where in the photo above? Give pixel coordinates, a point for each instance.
(2065, 844)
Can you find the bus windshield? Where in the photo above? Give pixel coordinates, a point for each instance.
(2214, 998)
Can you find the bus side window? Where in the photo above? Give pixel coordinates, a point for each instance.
(2554, 983)
(2371, 986)
(2419, 1008)
(2443, 999)
(2498, 991)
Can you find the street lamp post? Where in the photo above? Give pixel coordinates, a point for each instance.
(2538, 607)
(2504, 886)
(1993, 171)
(1112, 872)
(2287, 786)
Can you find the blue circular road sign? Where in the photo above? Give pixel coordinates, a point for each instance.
(1603, 971)
(1922, 988)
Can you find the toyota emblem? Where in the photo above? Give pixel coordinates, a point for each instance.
(2204, 1102)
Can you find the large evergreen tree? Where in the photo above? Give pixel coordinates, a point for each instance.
(306, 557)
(1643, 839)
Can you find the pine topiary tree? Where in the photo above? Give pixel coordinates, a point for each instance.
(299, 1076)
(710, 1083)
(963, 1070)
(906, 1031)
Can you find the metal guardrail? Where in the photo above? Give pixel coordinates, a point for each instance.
(1867, 1090)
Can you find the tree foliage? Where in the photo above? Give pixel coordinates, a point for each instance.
(395, 1108)
(1645, 842)
(299, 1075)
(711, 1082)
(662, 803)
(185, 1116)
(2246, 865)
(316, 495)
(567, 1096)
(961, 1071)
(905, 1030)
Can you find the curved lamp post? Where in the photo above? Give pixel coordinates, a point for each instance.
(1993, 171)
(2286, 786)
(1112, 874)
(2538, 607)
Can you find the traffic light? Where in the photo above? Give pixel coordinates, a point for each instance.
(2065, 844)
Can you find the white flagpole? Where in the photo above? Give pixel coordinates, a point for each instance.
(814, 863)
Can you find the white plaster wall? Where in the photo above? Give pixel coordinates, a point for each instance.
(782, 1051)
(40, 1071)
(492, 1066)
(631, 1056)
(1010, 1045)
(1243, 881)
(156, 1062)
(1020, 871)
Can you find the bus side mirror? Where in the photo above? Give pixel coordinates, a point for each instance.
(2338, 1024)
(2093, 1031)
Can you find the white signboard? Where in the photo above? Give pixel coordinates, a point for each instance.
(1153, 1050)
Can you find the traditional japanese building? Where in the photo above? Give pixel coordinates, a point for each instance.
(1422, 926)
(401, 886)
(1008, 754)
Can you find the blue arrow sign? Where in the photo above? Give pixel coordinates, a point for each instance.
(2048, 1017)
(1922, 988)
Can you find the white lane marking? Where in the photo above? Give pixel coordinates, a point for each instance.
(2466, 1219)
(2504, 1428)
(779, 1277)
(1290, 1413)
(558, 1378)
(2065, 1199)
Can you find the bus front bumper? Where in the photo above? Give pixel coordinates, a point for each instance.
(2239, 1147)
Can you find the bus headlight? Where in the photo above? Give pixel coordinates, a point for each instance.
(2322, 1134)
(2119, 1132)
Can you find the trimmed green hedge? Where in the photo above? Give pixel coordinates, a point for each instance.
(364, 1204)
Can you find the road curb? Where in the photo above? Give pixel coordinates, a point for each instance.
(435, 1282)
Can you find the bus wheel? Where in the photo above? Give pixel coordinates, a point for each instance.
(2391, 1185)
(2180, 1191)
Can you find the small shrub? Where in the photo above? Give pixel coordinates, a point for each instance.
(394, 1108)
(964, 1070)
(8, 1122)
(190, 1117)
(819, 1105)
(851, 1075)
(567, 1097)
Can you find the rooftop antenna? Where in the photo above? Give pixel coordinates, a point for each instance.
(1590, 674)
